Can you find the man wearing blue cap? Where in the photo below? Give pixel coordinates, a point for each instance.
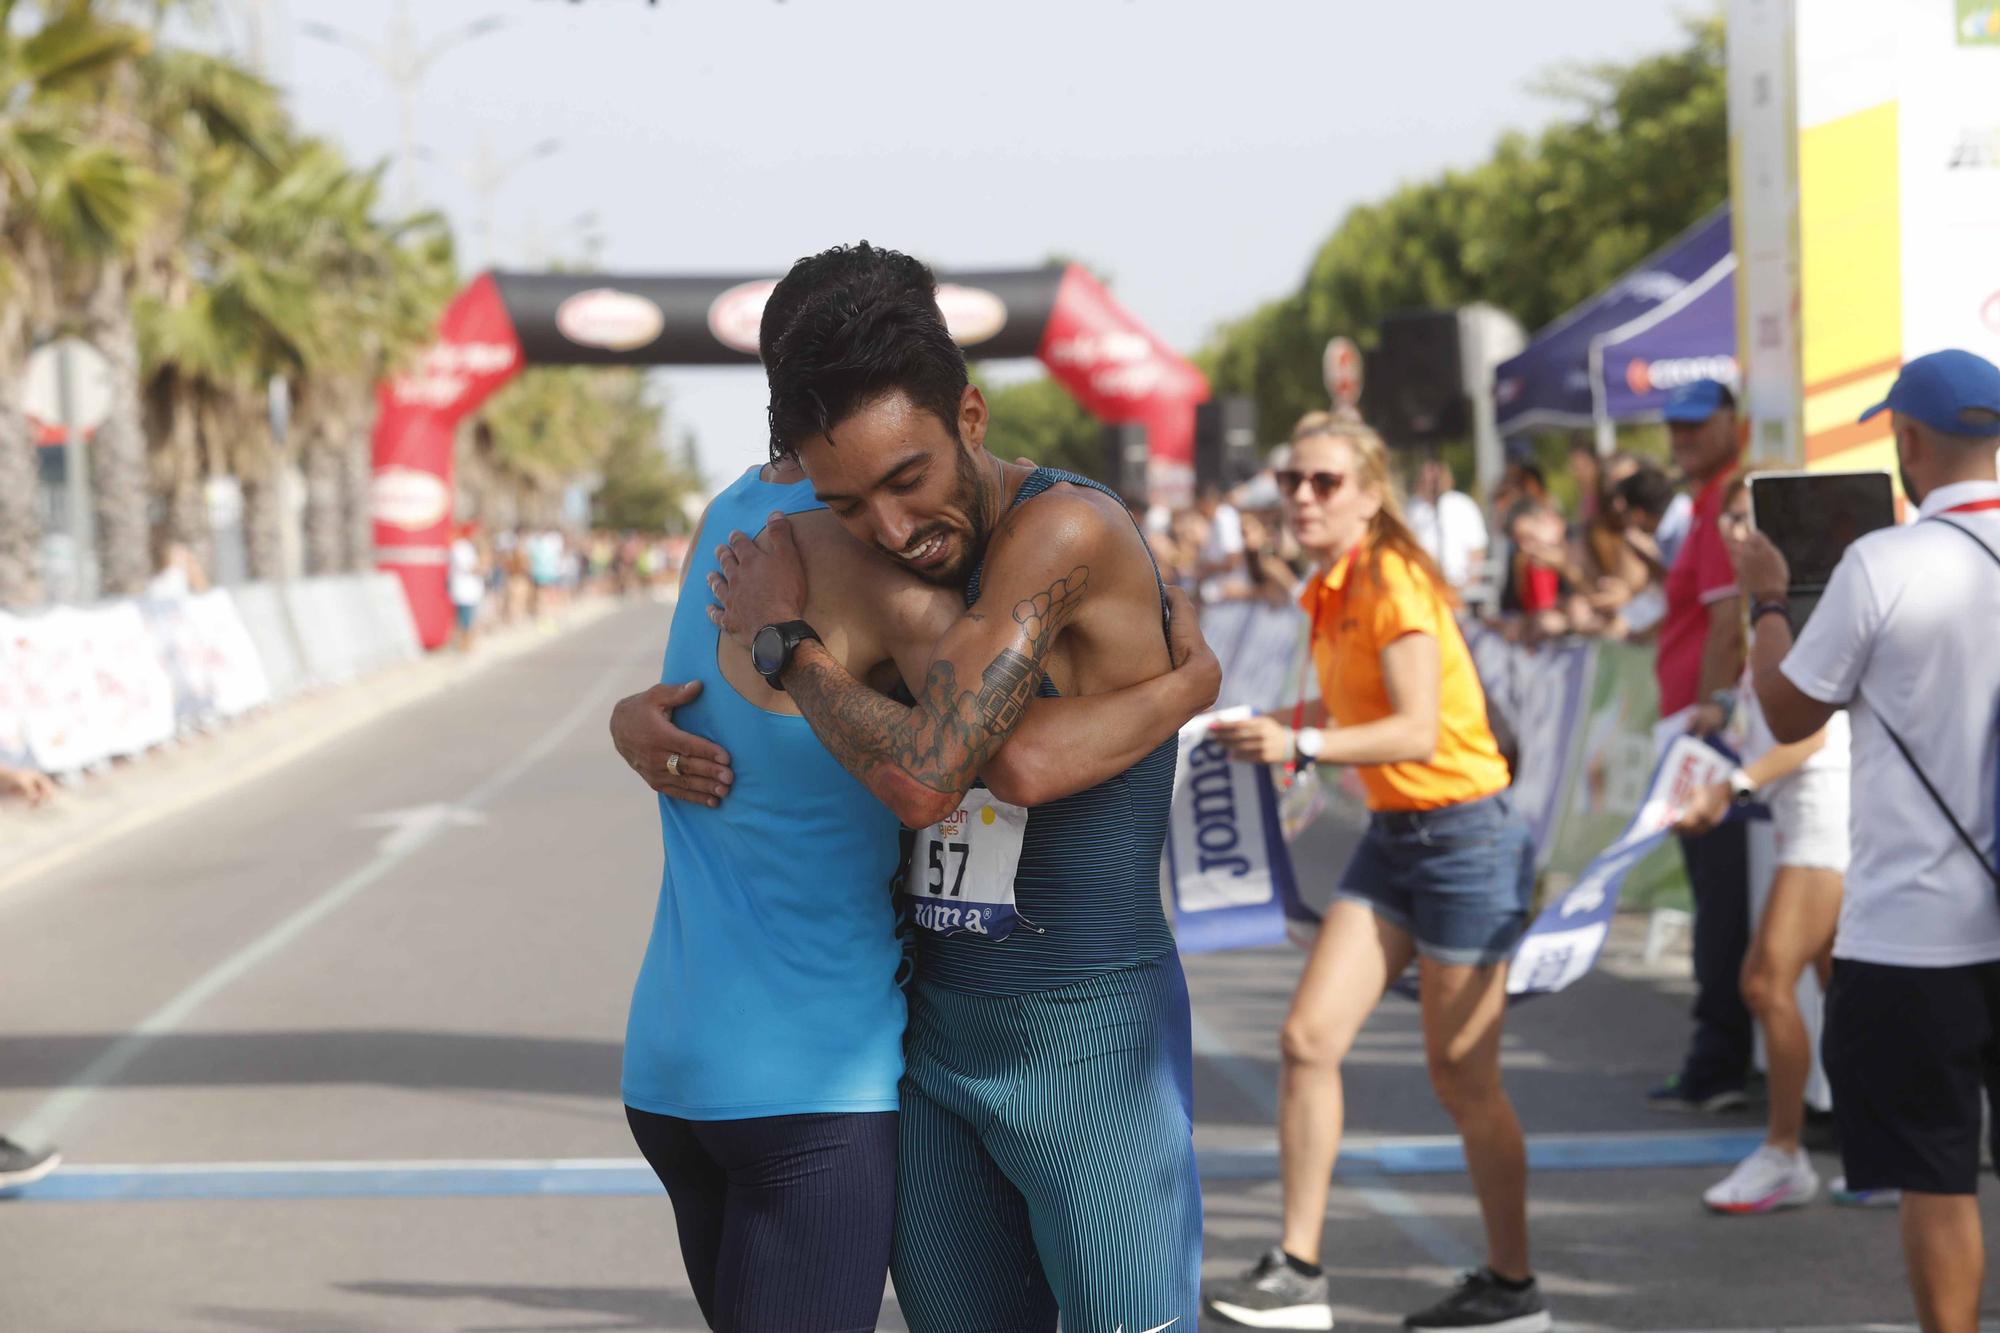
(1701, 655)
(1907, 640)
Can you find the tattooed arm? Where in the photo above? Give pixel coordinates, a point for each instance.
(920, 760)
(1069, 744)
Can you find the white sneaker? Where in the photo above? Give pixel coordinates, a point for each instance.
(1765, 1181)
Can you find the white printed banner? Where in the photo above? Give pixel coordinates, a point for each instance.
(1227, 863)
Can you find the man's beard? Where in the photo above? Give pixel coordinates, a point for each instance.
(1903, 476)
(971, 498)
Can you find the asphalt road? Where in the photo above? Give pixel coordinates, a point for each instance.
(338, 1051)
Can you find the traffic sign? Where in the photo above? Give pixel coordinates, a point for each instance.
(1341, 368)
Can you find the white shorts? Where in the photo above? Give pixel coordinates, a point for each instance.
(1809, 819)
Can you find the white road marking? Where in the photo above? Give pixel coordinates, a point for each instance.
(1382, 1199)
(43, 1125)
(414, 825)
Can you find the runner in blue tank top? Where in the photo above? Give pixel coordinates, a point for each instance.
(1047, 1162)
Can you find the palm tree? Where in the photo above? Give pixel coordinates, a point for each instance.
(380, 286)
(63, 194)
(545, 429)
(215, 131)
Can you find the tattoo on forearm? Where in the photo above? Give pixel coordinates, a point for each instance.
(949, 735)
(999, 703)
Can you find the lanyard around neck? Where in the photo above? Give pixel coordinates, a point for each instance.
(1311, 664)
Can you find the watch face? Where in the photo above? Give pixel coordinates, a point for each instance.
(767, 650)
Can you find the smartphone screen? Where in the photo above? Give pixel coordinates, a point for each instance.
(1812, 518)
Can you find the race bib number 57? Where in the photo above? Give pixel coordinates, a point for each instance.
(960, 879)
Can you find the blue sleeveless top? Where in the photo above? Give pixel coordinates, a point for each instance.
(1088, 890)
(769, 985)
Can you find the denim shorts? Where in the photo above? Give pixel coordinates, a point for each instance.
(1459, 878)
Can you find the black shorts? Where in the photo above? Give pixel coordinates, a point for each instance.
(1908, 1050)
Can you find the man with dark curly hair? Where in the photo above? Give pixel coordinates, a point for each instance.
(1047, 1161)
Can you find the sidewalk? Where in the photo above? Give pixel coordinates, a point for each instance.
(130, 795)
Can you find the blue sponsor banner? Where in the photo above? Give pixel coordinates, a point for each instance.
(1228, 868)
(1541, 693)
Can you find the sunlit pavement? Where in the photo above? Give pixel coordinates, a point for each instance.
(338, 1051)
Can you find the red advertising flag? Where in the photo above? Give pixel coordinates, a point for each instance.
(475, 353)
(1119, 370)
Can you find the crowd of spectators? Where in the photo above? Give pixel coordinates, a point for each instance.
(1522, 561)
(527, 575)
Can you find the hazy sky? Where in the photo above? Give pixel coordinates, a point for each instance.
(1197, 151)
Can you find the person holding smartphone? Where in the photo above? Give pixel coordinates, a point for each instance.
(1903, 641)
(1805, 786)
(1443, 877)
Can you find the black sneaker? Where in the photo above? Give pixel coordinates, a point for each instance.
(1272, 1294)
(1819, 1133)
(1677, 1094)
(19, 1166)
(1479, 1301)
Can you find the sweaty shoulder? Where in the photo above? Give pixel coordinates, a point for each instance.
(1065, 520)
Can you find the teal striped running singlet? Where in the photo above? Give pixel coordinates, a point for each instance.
(1046, 1159)
(1088, 889)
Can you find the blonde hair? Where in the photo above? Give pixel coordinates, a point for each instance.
(1388, 530)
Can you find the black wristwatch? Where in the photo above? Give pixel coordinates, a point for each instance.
(771, 651)
(1760, 609)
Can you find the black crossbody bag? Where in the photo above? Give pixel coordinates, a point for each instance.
(1991, 868)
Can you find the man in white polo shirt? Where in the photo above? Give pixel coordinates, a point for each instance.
(1448, 524)
(1907, 639)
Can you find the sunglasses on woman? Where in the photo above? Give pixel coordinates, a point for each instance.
(1324, 484)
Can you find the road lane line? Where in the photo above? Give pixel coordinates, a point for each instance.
(44, 1124)
(1362, 1178)
(595, 1176)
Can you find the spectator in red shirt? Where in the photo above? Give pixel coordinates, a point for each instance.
(1701, 656)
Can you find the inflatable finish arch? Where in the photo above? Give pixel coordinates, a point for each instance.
(502, 322)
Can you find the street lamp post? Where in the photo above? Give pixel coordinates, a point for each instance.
(405, 60)
(484, 173)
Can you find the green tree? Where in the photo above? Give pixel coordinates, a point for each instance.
(640, 486)
(205, 319)
(272, 263)
(555, 426)
(69, 196)
(1038, 419)
(1546, 221)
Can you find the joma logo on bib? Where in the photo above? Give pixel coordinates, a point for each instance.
(960, 879)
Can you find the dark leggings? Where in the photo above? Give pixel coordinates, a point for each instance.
(785, 1221)
(1718, 867)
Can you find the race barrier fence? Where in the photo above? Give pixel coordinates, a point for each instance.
(1584, 714)
(81, 685)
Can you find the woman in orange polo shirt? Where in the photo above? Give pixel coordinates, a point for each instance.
(1443, 876)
